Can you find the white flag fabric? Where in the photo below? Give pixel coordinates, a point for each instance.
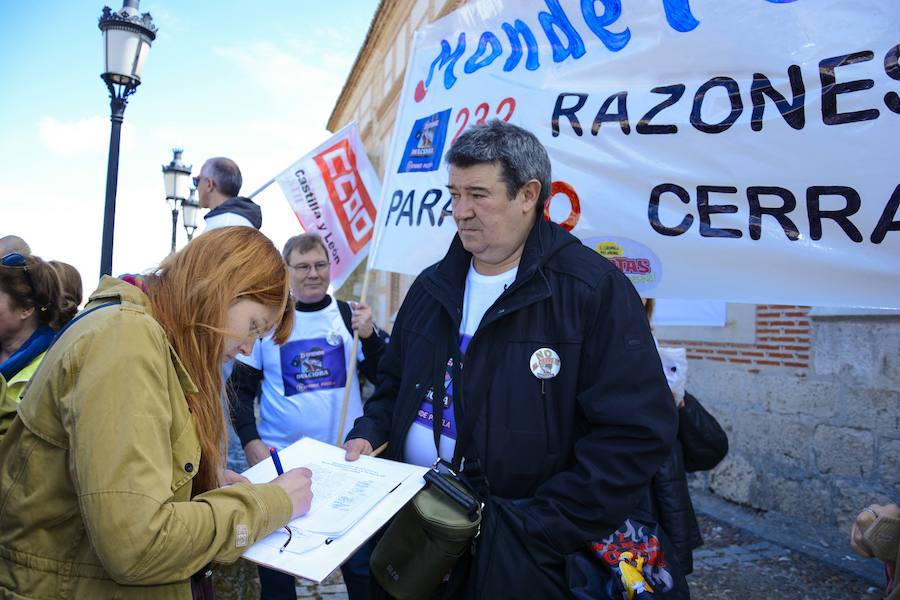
(739, 151)
(332, 191)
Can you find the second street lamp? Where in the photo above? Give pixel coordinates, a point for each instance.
(189, 210)
(177, 177)
(127, 36)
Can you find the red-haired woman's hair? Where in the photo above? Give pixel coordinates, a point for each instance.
(191, 293)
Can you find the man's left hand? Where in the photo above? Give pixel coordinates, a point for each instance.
(229, 477)
(362, 319)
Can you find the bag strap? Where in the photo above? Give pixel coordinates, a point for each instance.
(465, 430)
(83, 313)
(346, 314)
(438, 369)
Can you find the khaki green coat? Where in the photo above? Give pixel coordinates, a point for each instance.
(95, 471)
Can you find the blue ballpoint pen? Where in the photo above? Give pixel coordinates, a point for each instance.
(276, 460)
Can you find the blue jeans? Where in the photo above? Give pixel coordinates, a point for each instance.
(281, 586)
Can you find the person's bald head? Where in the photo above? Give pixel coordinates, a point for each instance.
(13, 243)
(219, 180)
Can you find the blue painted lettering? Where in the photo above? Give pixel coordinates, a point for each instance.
(446, 60)
(513, 33)
(678, 15)
(565, 41)
(475, 61)
(557, 19)
(612, 10)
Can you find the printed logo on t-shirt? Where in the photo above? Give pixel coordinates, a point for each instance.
(308, 365)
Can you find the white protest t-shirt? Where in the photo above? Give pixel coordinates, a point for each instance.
(303, 380)
(480, 294)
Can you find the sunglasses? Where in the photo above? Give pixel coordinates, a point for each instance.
(17, 261)
(198, 179)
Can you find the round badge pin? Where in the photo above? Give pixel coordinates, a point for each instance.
(544, 363)
(333, 338)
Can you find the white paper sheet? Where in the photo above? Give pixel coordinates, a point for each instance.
(351, 502)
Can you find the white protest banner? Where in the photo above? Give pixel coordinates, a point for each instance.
(332, 191)
(736, 151)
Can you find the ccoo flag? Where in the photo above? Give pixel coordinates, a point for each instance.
(331, 191)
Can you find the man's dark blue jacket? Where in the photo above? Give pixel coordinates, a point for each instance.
(583, 445)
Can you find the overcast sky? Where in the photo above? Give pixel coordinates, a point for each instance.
(251, 81)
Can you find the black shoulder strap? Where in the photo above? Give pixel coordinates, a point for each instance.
(83, 313)
(465, 427)
(465, 459)
(346, 314)
(437, 399)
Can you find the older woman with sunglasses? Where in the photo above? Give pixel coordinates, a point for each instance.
(31, 309)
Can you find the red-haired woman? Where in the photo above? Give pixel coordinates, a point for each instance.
(111, 473)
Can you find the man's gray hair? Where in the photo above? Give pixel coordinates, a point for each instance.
(519, 153)
(303, 243)
(225, 174)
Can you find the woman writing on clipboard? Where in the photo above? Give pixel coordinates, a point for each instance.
(111, 479)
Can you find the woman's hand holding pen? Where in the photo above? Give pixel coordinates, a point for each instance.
(297, 483)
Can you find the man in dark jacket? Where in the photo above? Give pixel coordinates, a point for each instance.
(218, 185)
(549, 383)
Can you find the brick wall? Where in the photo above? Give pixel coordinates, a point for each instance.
(782, 340)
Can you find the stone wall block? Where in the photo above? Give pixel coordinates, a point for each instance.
(733, 479)
(851, 497)
(889, 466)
(846, 349)
(790, 396)
(844, 452)
(877, 409)
(890, 364)
(721, 391)
(807, 499)
(724, 389)
(775, 441)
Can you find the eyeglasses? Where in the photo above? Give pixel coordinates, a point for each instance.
(17, 261)
(304, 268)
(197, 179)
(261, 332)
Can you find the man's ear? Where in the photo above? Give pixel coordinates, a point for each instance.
(529, 193)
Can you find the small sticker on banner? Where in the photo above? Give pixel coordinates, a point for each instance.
(544, 363)
(638, 262)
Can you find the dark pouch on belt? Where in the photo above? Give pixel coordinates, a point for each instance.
(427, 537)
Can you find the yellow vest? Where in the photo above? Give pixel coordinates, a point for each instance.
(11, 392)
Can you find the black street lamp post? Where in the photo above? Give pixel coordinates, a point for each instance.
(127, 36)
(177, 178)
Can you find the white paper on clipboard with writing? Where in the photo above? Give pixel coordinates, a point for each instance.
(351, 501)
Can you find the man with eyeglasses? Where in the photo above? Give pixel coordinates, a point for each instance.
(218, 185)
(301, 384)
